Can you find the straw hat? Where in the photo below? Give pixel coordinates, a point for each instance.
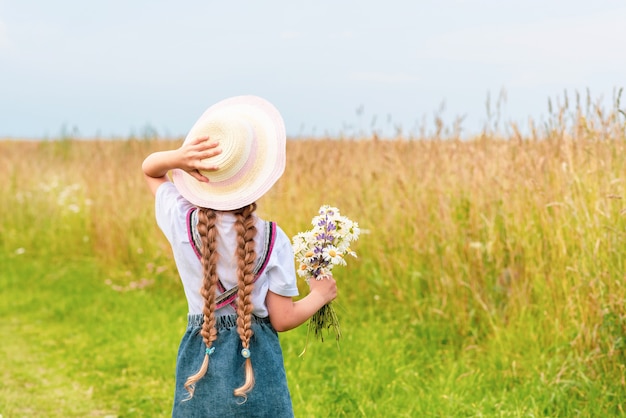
(251, 134)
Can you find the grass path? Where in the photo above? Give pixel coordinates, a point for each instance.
(71, 341)
(36, 378)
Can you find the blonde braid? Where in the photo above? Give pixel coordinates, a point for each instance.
(246, 257)
(208, 234)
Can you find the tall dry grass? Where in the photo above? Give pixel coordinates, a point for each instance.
(483, 230)
(485, 233)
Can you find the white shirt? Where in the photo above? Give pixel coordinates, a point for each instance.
(278, 276)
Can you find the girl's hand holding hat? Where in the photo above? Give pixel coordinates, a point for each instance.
(195, 157)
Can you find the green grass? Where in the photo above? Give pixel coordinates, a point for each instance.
(75, 347)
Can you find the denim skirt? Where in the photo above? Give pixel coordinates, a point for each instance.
(213, 396)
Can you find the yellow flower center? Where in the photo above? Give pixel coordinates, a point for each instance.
(309, 254)
(332, 253)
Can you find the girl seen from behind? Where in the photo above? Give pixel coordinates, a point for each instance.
(237, 269)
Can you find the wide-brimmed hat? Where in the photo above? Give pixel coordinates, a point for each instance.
(251, 134)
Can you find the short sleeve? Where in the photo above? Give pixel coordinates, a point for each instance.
(281, 272)
(170, 209)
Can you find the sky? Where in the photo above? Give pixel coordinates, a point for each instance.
(115, 68)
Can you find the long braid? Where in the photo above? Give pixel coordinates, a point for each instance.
(246, 257)
(208, 234)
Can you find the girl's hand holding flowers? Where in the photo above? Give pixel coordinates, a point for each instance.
(326, 287)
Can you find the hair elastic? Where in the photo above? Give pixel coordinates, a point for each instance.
(245, 353)
(210, 351)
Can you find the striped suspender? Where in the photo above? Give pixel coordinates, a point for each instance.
(228, 297)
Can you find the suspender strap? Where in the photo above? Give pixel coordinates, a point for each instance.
(192, 232)
(228, 297)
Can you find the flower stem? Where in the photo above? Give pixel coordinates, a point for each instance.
(325, 318)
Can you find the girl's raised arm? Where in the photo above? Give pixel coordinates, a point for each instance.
(193, 157)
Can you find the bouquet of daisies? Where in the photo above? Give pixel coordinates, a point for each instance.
(320, 249)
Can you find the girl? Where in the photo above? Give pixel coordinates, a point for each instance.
(237, 270)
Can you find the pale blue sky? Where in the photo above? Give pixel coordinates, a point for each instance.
(113, 67)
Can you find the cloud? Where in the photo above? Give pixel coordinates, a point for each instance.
(290, 35)
(4, 36)
(555, 49)
(384, 78)
(345, 34)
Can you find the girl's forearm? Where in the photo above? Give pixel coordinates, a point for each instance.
(304, 308)
(158, 164)
(194, 157)
(285, 314)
